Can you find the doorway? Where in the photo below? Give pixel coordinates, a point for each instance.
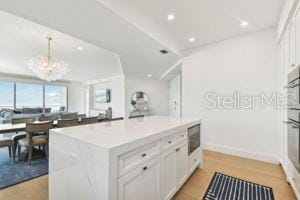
(175, 96)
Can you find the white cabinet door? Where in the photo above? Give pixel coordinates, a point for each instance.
(168, 173)
(292, 32)
(297, 33)
(182, 164)
(142, 183)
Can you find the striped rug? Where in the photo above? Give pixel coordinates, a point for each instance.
(223, 187)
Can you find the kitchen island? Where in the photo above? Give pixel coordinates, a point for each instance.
(144, 158)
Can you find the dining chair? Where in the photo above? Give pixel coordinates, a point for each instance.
(89, 120)
(48, 118)
(33, 140)
(136, 116)
(20, 134)
(22, 120)
(10, 143)
(69, 115)
(61, 123)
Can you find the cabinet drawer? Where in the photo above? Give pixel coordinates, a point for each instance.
(169, 142)
(194, 160)
(132, 159)
(181, 136)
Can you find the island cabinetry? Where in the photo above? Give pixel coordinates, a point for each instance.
(136, 159)
(181, 164)
(174, 169)
(141, 183)
(155, 171)
(132, 159)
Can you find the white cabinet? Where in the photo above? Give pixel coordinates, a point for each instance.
(174, 169)
(297, 37)
(168, 173)
(132, 159)
(141, 183)
(292, 44)
(194, 160)
(161, 175)
(286, 52)
(181, 164)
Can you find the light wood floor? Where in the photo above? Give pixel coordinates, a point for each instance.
(194, 189)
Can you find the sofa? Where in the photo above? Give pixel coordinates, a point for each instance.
(7, 114)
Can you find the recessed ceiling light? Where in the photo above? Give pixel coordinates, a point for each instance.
(149, 75)
(192, 39)
(171, 17)
(244, 23)
(79, 48)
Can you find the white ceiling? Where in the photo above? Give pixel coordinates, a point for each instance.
(21, 39)
(206, 20)
(91, 21)
(137, 29)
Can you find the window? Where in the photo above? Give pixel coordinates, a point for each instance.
(7, 95)
(29, 95)
(55, 98)
(30, 98)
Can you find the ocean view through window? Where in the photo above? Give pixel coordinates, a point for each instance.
(29, 95)
(22, 99)
(7, 94)
(55, 97)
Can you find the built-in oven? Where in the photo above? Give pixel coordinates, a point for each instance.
(193, 138)
(293, 138)
(293, 122)
(294, 89)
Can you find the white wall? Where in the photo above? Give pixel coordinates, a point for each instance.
(76, 98)
(157, 91)
(248, 64)
(116, 85)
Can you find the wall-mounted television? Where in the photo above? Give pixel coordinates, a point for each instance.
(102, 95)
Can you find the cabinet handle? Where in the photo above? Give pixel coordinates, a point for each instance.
(145, 168)
(177, 149)
(170, 142)
(286, 122)
(144, 155)
(292, 85)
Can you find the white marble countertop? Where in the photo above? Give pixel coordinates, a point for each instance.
(116, 133)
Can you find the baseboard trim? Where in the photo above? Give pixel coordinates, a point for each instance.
(241, 152)
(289, 179)
(291, 182)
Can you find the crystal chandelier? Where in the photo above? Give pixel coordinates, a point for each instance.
(47, 68)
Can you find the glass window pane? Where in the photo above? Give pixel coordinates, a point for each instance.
(29, 95)
(6, 101)
(7, 95)
(55, 98)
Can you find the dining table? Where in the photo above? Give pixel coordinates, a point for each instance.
(12, 128)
